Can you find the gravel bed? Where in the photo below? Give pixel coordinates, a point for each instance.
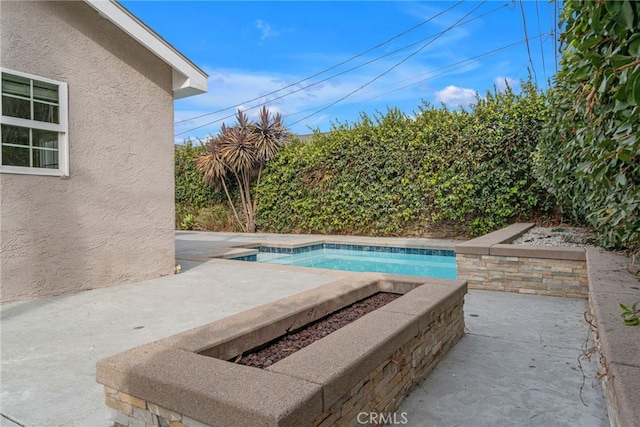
(557, 236)
(292, 342)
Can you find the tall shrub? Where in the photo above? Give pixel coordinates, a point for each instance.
(191, 191)
(463, 172)
(190, 187)
(588, 156)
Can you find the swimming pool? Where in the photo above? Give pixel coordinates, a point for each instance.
(438, 263)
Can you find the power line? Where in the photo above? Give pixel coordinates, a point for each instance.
(390, 69)
(312, 84)
(433, 37)
(456, 64)
(431, 74)
(544, 67)
(328, 69)
(555, 32)
(524, 20)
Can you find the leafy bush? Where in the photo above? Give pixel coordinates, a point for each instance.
(218, 217)
(191, 189)
(195, 199)
(440, 172)
(588, 156)
(184, 217)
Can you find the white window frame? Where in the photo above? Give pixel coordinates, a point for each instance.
(62, 128)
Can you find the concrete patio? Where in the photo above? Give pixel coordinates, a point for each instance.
(517, 364)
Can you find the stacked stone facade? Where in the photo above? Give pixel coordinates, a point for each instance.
(130, 411)
(556, 277)
(380, 394)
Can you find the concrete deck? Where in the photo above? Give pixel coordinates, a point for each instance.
(517, 365)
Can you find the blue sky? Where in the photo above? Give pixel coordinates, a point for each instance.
(251, 49)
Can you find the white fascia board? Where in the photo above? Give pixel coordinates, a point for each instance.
(188, 79)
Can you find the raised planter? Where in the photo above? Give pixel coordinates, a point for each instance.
(367, 366)
(490, 262)
(618, 345)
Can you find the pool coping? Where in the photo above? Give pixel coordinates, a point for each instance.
(238, 251)
(498, 243)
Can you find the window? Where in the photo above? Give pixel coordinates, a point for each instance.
(34, 125)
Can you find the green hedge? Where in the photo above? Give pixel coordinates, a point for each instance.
(442, 171)
(191, 189)
(198, 206)
(589, 154)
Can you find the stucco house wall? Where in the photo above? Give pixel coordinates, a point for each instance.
(112, 219)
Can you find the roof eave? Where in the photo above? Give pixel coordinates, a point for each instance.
(188, 79)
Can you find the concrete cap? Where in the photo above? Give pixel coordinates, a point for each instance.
(236, 334)
(544, 252)
(210, 390)
(422, 301)
(608, 273)
(625, 380)
(619, 343)
(611, 283)
(498, 244)
(481, 245)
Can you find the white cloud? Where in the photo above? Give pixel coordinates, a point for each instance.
(265, 30)
(456, 96)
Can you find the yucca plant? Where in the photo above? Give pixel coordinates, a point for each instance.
(242, 151)
(214, 169)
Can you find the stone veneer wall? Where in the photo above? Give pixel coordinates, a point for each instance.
(526, 275)
(489, 262)
(130, 411)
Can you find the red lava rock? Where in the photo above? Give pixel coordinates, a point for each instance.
(288, 344)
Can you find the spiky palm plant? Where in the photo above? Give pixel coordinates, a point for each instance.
(243, 151)
(214, 169)
(270, 134)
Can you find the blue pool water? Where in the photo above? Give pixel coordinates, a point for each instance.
(410, 261)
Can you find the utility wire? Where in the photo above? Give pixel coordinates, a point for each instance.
(434, 73)
(390, 69)
(524, 20)
(309, 85)
(555, 32)
(433, 37)
(544, 67)
(314, 83)
(328, 69)
(456, 65)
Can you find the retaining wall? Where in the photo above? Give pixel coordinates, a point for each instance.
(491, 263)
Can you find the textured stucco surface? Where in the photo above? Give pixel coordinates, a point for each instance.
(112, 219)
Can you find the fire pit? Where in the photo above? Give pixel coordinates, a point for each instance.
(367, 366)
